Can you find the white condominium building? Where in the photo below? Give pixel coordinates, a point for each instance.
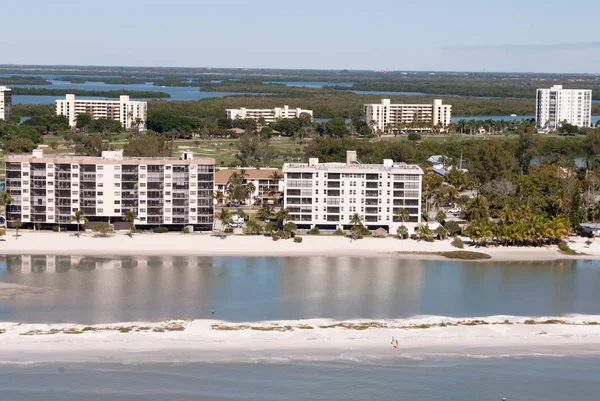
(5, 103)
(269, 115)
(557, 105)
(385, 116)
(326, 195)
(161, 191)
(129, 113)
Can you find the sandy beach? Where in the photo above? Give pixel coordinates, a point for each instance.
(203, 244)
(211, 340)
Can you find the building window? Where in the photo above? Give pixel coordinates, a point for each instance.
(117, 202)
(100, 202)
(99, 167)
(117, 184)
(100, 176)
(100, 210)
(117, 168)
(142, 202)
(118, 211)
(117, 194)
(117, 175)
(100, 193)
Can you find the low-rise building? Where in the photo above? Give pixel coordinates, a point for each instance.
(131, 114)
(268, 182)
(327, 195)
(386, 116)
(268, 115)
(161, 191)
(5, 103)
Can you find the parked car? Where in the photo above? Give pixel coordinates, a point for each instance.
(454, 210)
(233, 204)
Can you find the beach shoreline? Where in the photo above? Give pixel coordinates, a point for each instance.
(312, 339)
(203, 244)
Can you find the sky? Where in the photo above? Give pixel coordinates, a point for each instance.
(432, 35)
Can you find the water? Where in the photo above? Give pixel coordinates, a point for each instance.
(528, 379)
(313, 84)
(95, 290)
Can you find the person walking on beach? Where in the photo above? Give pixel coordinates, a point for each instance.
(396, 346)
(392, 342)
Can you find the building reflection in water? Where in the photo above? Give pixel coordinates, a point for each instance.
(113, 289)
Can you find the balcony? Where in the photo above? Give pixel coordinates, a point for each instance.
(333, 184)
(372, 202)
(372, 193)
(373, 184)
(371, 219)
(372, 210)
(372, 176)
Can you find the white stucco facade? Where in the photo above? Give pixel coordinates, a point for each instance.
(385, 115)
(5, 103)
(328, 194)
(269, 115)
(556, 105)
(126, 111)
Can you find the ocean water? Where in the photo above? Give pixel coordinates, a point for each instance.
(442, 379)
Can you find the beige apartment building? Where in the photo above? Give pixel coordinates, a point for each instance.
(267, 189)
(172, 192)
(326, 195)
(129, 113)
(269, 115)
(5, 103)
(386, 116)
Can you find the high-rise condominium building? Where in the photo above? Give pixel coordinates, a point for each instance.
(327, 195)
(269, 115)
(5, 103)
(129, 113)
(161, 191)
(557, 105)
(386, 116)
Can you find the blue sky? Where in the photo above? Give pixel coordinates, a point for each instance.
(460, 35)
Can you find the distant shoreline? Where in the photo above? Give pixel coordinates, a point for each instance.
(203, 244)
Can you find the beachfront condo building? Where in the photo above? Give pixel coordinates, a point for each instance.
(269, 115)
(5, 103)
(386, 116)
(327, 195)
(170, 192)
(131, 114)
(267, 182)
(556, 105)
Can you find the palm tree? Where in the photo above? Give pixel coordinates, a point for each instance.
(281, 216)
(596, 212)
(356, 222)
(276, 177)
(440, 217)
(477, 209)
(424, 232)
(78, 218)
(219, 197)
(130, 217)
(250, 189)
(226, 218)
(16, 225)
(452, 194)
(402, 215)
(253, 227)
(5, 198)
(402, 232)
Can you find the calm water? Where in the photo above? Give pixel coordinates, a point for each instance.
(530, 379)
(93, 290)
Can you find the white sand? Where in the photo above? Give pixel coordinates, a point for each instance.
(200, 342)
(36, 242)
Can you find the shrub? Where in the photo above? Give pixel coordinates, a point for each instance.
(102, 228)
(186, 230)
(298, 240)
(564, 248)
(314, 231)
(457, 243)
(339, 231)
(285, 234)
(452, 227)
(413, 136)
(160, 230)
(275, 237)
(413, 237)
(229, 230)
(55, 229)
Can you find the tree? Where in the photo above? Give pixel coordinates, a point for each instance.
(424, 232)
(265, 211)
(219, 197)
(401, 215)
(250, 189)
(356, 222)
(477, 209)
(146, 145)
(440, 217)
(130, 217)
(5, 199)
(83, 120)
(402, 232)
(290, 227)
(78, 218)
(281, 216)
(226, 219)
(526, 150)
(270, 227)
(17, 224)
(252, 227)
(441, 232)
